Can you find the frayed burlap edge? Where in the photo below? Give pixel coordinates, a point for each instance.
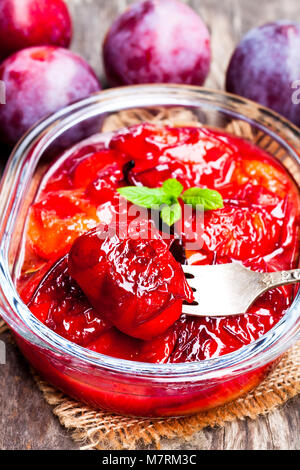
(3, 327)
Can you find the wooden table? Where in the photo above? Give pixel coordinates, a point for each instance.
(26, 421)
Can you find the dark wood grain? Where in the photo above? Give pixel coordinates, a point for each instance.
(26, 421)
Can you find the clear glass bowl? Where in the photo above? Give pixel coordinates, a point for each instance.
(121, 386)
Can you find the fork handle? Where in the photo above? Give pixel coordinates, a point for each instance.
(280, 278)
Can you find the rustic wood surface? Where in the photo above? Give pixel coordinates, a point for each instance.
(26, 421)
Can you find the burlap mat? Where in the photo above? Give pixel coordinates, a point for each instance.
(100, 430)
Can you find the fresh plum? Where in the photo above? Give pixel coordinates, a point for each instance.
(157, 41)
(265, 66)
(39, 81)
(28, 23)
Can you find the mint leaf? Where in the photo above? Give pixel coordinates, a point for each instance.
(171, 214)
(208, 198)
(143, 196)
(172, 187)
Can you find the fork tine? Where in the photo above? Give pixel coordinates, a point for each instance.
(224, 289)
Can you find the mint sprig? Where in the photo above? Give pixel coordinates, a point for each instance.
(171, 214)
(143, 196)
(172, 187)
(167, 198)
(208, 198)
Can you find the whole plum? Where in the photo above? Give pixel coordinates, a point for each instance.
(157, 41)
(265, 67)
(25, 23)
(39, 81)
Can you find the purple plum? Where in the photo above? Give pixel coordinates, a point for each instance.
(26, 23)
(157, 41)
(39, 81)
(265, 67)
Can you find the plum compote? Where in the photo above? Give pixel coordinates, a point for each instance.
(123, 296)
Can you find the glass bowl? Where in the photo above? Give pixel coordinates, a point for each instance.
(121, 386)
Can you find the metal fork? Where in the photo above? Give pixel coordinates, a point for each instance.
(230, 289)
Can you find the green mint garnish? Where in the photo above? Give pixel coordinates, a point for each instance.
(143, 196)
(167, 196)
(171, 214)
(172, 187)
(208, 198)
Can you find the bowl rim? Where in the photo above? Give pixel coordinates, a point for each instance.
(256, 354)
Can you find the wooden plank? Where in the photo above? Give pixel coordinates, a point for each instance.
(26, 421)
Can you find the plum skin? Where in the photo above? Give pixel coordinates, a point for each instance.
(157, 41)
(39, 81)
(26, 23)
(264, 66)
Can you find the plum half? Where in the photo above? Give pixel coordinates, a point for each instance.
(133, 281)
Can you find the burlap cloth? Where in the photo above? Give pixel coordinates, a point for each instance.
(100, 430)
